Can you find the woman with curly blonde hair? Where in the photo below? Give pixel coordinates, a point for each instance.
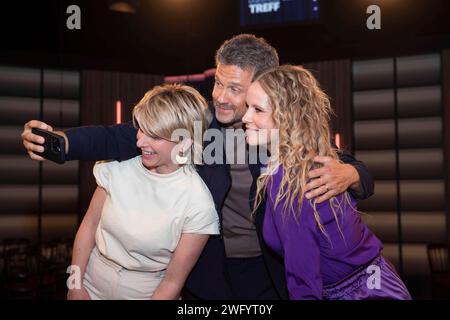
(328, 252)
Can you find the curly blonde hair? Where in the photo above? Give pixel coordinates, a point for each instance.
(301, 112)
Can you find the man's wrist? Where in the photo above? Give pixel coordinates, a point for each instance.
(355, 181)
(61, 133)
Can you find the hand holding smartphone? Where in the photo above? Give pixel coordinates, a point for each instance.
(54, 146)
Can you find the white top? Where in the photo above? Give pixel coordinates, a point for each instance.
(145, 213)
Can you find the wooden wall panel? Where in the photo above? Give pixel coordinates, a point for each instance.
(335, 79)
(99, 92)
(446, 128)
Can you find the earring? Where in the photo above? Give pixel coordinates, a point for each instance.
(181, 158)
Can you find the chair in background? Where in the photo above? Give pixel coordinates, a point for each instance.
(21, 280)
(438, 259)
(56, 257)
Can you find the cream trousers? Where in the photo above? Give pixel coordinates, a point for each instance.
(106, 280)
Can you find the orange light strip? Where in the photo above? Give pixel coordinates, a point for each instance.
(118, 111)
(337, 140)
(197, 77)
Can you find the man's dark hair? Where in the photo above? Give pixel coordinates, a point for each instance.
(248, 52)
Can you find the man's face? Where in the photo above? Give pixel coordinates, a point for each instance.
(230, 90)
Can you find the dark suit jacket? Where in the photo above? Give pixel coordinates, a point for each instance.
(208, 279)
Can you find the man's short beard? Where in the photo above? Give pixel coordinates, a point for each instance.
(229, 123)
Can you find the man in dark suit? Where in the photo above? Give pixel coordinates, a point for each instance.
(236, 264)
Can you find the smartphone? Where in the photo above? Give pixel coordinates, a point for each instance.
(54, 146)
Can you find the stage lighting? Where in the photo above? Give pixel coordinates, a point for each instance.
(124, 6)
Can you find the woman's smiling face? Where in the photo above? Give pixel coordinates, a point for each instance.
(258, 119)
(156, 153)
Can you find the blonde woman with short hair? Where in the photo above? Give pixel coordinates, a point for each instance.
(150, 217)
(328, 252)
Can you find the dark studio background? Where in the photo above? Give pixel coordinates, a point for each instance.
(390, 89)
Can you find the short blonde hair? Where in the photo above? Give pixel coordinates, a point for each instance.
(169, 107)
